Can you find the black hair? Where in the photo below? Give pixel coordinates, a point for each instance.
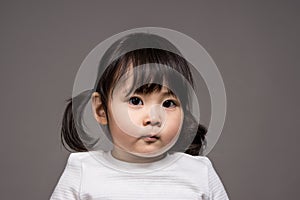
(157, 52)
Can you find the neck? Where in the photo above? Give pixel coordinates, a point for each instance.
(129, 157)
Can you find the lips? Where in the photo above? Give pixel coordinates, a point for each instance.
(150, 138)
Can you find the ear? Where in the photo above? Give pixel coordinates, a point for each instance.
(98, 109)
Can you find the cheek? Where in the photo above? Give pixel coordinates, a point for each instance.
(174, 123)
(118, 135)
(134, 117)
(124, 120)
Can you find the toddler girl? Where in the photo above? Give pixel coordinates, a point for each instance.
(141, 100)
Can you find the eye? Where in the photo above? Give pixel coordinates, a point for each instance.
(135, 101)
(169, 104)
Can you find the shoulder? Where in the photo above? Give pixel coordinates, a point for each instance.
(199, 160)
(74, 163)
(90, 158)
(77, 157)
(68, 186)
(194, 164)
(214, 183)
(203, 159)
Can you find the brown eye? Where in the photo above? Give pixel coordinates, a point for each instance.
(135, 101)
(169, 104)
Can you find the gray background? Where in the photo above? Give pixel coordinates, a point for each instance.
(255, 44)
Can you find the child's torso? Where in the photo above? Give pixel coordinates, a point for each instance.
(182, 179)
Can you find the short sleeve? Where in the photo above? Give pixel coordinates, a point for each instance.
(68, 186)
(217, 190)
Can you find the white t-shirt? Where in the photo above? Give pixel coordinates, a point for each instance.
(98, 175)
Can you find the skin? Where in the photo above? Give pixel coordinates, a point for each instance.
(133, 119)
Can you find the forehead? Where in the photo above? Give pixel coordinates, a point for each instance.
(148, 78)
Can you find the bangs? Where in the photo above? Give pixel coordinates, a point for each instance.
(147, 70)
(152, 88)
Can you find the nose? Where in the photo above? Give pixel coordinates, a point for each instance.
(154, 117)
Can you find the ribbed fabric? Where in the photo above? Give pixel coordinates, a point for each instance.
(98, 175)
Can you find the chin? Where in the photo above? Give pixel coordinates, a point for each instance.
(149, 152)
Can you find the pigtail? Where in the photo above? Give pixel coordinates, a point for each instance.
(199, 143)
(69, 136)
(72, 132)
(192, 139)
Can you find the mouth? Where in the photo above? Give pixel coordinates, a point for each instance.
(150, 138)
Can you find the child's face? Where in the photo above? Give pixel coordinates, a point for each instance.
(144, 124)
